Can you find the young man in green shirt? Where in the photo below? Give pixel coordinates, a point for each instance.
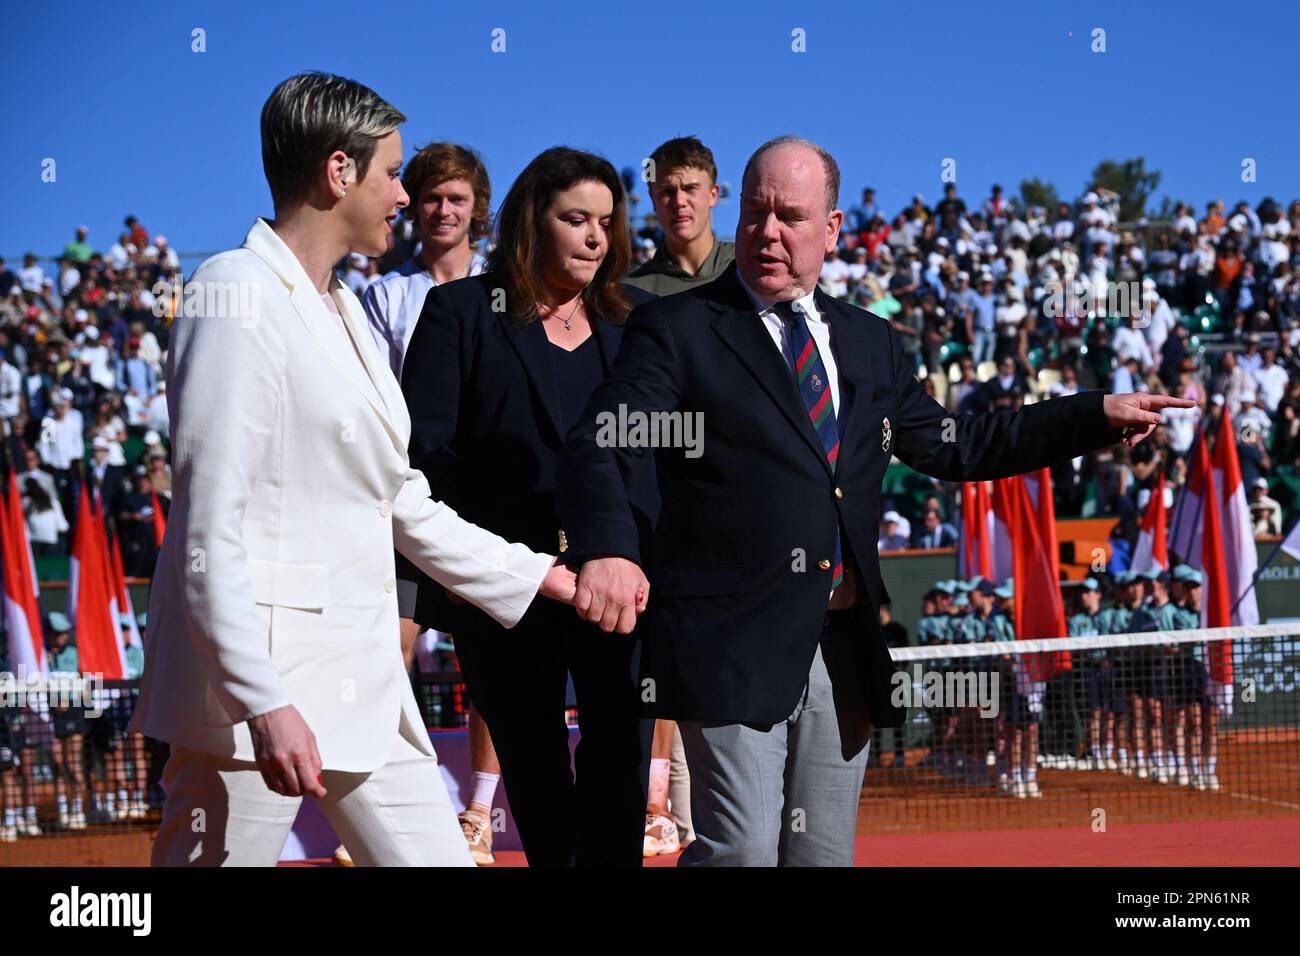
(683, 187)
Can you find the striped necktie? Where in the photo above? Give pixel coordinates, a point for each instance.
(814, 388)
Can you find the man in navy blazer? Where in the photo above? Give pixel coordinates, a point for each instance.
(761, 637)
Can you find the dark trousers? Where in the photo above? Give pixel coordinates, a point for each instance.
(517, 681)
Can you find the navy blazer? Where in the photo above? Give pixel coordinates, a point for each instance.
(485, 428)
(746, 530)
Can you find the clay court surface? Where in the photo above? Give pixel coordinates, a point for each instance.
(915, 817)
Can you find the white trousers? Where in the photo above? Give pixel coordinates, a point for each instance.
(219, 812)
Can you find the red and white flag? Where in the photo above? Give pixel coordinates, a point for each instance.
(1240, 558)
(975, 554)
(22, 611)
(1198, 539)
(90, 598)
(1039, 610)
(1152, 551)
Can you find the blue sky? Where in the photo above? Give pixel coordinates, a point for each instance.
(139, 123)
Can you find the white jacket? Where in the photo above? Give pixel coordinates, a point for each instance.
(291, 487)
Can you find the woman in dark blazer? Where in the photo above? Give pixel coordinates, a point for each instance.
(499, 367)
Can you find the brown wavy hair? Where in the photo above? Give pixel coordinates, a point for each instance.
(513, 259)
(437, 163)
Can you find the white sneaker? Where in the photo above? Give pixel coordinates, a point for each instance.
(1183, 777)
(1088, 763)
(65, 820)
(1004, 783)
(138, 810)
(1198, 781)
(1164, 774)
(1142, 772)
(1032, 788)
(1071, 763)
(1020, 789)
(1126, 766)
(8, 834)
(28, 828)
(77, 820)
(1112, 763)
(660, 836)
(1212, 781)
(120, 812)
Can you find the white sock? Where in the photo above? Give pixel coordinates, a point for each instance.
(62, 802)
(1015, 776)
(1031, 774)
(138, 796)
(11, 816)
(1182, 762)
(31, 814)
(1212, 764)
(1123, 754)
(1110, 751)
(76, 805)
(122, 798)
(485, 788)
(1196, 765)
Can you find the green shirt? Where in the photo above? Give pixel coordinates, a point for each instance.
(1087, 625)
(1152, 618)
(134, 661)
(64, 661)
(1118, 619)
(662, 276)
(78, 252)
(1003, 629)
(933, 629)
(1185, 619)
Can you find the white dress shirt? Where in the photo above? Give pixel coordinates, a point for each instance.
(817, 326)
(63, 439)
(393, 305)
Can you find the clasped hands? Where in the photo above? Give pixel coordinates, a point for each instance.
(610, 592)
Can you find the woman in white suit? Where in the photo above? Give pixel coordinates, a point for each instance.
(273, 665)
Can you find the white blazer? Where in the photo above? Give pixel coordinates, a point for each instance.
(291, 487)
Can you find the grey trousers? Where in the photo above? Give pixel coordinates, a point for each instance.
(786, 795)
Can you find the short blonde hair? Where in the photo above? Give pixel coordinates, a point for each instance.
(311, 115)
